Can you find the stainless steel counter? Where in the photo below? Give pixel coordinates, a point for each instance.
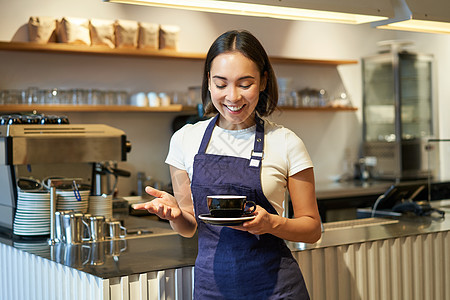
(352, 261)
(352, 232)
(326, 190)
(357, 188)
(166, 250)
(159, 250)
(339, 200)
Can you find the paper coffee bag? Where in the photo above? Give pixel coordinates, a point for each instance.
(74, 31)
(126, 34)
(102, 32)
(168, 37)
(42, 29)
(148, 36)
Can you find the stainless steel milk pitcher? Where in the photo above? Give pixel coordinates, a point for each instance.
(97, 228)
(74, 225)
(59, 227)
(116, 230)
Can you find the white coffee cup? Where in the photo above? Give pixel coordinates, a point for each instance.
(139, 99)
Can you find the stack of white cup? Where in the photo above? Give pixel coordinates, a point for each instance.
(101, 205)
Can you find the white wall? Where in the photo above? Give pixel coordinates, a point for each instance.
(329, 136)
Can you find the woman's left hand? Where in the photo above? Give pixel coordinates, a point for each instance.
(263, 223)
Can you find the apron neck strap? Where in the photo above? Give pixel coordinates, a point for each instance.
(258, 148)
(259, 136)
(207, 135)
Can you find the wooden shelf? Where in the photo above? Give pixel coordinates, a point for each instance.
(143, 53)
(58, 48)
(128, 108)
(93, 108)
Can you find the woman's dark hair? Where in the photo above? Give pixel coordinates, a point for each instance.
(247, 44)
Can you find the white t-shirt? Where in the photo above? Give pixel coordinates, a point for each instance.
(284, 153)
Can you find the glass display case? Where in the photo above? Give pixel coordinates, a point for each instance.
(397, 113)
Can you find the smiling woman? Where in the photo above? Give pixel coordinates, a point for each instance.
(239, 153)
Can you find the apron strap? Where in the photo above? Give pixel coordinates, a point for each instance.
(207, 135)
(258, 148)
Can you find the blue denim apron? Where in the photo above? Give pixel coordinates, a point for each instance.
(233, 264)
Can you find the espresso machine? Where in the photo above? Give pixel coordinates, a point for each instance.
(45, 150)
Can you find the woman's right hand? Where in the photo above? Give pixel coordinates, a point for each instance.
(164, 205)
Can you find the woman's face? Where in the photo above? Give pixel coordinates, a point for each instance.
(235, 83)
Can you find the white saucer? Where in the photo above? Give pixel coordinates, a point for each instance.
(207, 218)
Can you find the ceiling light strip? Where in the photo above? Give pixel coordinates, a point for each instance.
(259, 10)
(405, 19)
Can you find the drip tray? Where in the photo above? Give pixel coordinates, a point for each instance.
(366, 222)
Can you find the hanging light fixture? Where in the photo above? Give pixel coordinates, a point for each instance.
(343, 11)
(431, 16)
